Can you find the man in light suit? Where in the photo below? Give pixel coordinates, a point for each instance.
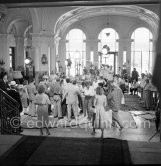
(71, 95)
(55, 98)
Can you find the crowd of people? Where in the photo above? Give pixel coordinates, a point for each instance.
(69, 97)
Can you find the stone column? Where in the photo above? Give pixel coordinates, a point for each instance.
(125, 45)
(52, 59)
(62, 55)
(153, 55)
(4, 51)
(88, 49)
(19, 58)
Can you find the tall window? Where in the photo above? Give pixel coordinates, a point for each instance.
(141, 50)
(108, 36)
(76, 51)
(12, 57)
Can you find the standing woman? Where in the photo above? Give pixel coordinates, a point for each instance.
(42, 100)
(25, 97)
(100, 103)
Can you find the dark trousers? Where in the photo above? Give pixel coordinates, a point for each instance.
(133, 90)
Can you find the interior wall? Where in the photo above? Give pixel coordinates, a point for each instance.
(44, 21)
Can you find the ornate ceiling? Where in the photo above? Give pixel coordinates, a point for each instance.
(85, 12)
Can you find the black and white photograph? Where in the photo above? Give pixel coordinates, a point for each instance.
(80, 82)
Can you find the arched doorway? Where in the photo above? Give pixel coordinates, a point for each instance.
(141, 50)
(109, 37)
(76, 51)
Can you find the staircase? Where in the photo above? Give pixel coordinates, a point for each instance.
(9, 115)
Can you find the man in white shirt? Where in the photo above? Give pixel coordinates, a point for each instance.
(89, 94)
(71, 95)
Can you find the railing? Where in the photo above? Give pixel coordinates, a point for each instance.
(9, 115)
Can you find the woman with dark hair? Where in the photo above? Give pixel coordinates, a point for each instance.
(42, 100)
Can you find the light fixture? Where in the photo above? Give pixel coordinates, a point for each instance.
(105, 49)
(27, 61)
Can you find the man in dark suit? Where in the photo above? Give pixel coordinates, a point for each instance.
(4, 82)
(15, 94)
(135, 75)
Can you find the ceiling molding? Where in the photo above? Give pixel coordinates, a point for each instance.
(57, 3)
(81, 13)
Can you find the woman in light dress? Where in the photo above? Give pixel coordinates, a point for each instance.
(25, 97)
(42, 100)
(100, 104)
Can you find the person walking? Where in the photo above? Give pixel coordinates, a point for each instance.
(100, 102)
(114, 98)
(42, 100)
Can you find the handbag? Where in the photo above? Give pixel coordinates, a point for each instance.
(93, 109)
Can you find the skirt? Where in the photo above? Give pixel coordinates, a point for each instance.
(101, 119)
(42, 116)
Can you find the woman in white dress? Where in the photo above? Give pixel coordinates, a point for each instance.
(42, 100)
(100, 104)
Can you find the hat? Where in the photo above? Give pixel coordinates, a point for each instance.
(13, 83)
